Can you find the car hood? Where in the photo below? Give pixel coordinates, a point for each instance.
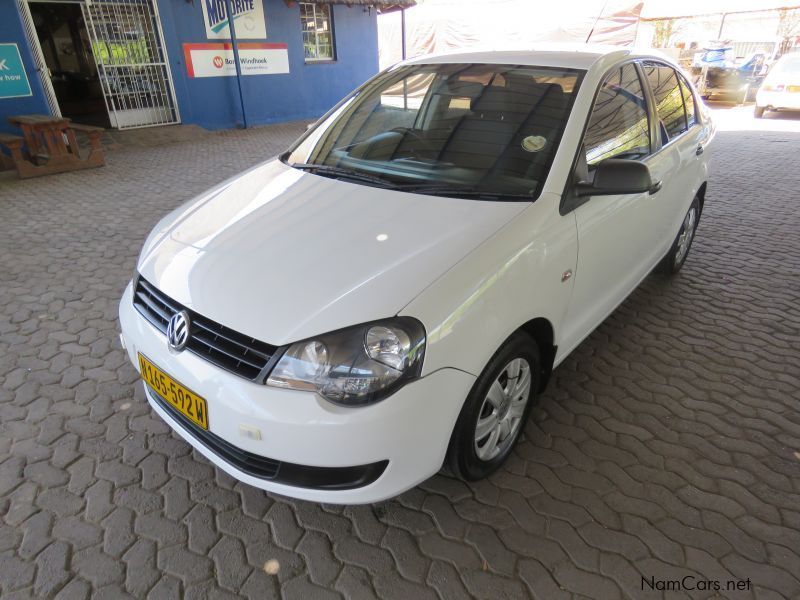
(282, 255)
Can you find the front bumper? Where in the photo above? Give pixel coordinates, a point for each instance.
(789, 100)
(410, 429)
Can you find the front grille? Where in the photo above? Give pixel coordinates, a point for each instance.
(318, 478)
(228, 349)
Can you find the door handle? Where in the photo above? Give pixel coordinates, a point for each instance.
(655, 188)
(699, 150)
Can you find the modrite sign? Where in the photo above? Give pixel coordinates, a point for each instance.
(248, 18)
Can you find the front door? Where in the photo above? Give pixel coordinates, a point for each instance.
(618, 236)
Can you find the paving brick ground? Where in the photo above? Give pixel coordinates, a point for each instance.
(666, 446)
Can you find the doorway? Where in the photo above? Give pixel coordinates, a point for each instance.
(67, 51)
(106, 61)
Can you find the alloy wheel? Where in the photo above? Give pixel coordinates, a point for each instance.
(686, 236)
(501, 413)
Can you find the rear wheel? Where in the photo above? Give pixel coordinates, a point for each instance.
(496, 409)
(758, 111)
(679, 250)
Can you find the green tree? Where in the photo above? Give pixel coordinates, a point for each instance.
(788, 28)
(664, 31)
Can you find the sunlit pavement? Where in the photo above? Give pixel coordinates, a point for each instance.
(732, 117)
(667, 446)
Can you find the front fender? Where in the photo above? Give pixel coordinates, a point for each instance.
(514, 276)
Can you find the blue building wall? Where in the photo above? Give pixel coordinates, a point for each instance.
(307, 91)
(11, 31)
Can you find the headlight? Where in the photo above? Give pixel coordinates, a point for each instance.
(354, 366)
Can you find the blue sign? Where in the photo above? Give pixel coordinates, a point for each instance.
(13, 79)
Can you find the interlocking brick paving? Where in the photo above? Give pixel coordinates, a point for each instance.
(665, 446)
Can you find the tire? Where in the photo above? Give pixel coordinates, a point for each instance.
(674, 259)
(758, 112)
(471, 457)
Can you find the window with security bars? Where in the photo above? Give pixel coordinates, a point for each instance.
(128, 48)
(317, 26)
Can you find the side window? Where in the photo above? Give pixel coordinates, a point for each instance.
(688, 101)
(669, 100)
(618, 125)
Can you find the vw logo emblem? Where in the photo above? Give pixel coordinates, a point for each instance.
(178, 330)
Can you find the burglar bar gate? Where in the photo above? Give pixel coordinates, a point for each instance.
(128, 48)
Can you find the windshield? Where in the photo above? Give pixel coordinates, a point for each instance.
(474, 130)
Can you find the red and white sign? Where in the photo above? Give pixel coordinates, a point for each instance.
(216, 60)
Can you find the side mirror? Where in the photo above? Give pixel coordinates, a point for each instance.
(616, 176)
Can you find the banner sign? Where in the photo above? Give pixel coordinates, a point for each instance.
(216, 60)
(248, 18)
(13, 79)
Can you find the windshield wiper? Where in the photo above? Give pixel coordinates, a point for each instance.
(416, 188)
(345, 174)
(464, 192)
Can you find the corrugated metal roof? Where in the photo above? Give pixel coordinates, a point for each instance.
(665, 9)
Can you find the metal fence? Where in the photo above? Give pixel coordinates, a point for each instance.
(128, 48)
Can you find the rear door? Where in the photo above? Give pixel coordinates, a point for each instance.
(678, 148)
(693, 149)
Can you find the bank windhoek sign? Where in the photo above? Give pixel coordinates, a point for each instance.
(216, 60)
(248, 18)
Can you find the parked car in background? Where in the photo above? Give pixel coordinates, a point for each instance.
(781, 88)
(391, 294)
(720, 76)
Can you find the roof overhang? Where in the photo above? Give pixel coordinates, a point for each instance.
(381, 5)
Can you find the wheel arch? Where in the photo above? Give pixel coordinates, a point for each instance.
(541, 330)
(701, 195)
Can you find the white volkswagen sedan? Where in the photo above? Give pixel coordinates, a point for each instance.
(391, 294)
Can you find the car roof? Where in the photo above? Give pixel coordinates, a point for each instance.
(571, 56)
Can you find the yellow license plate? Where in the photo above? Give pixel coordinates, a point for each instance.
(184, 400)
(793, 88)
